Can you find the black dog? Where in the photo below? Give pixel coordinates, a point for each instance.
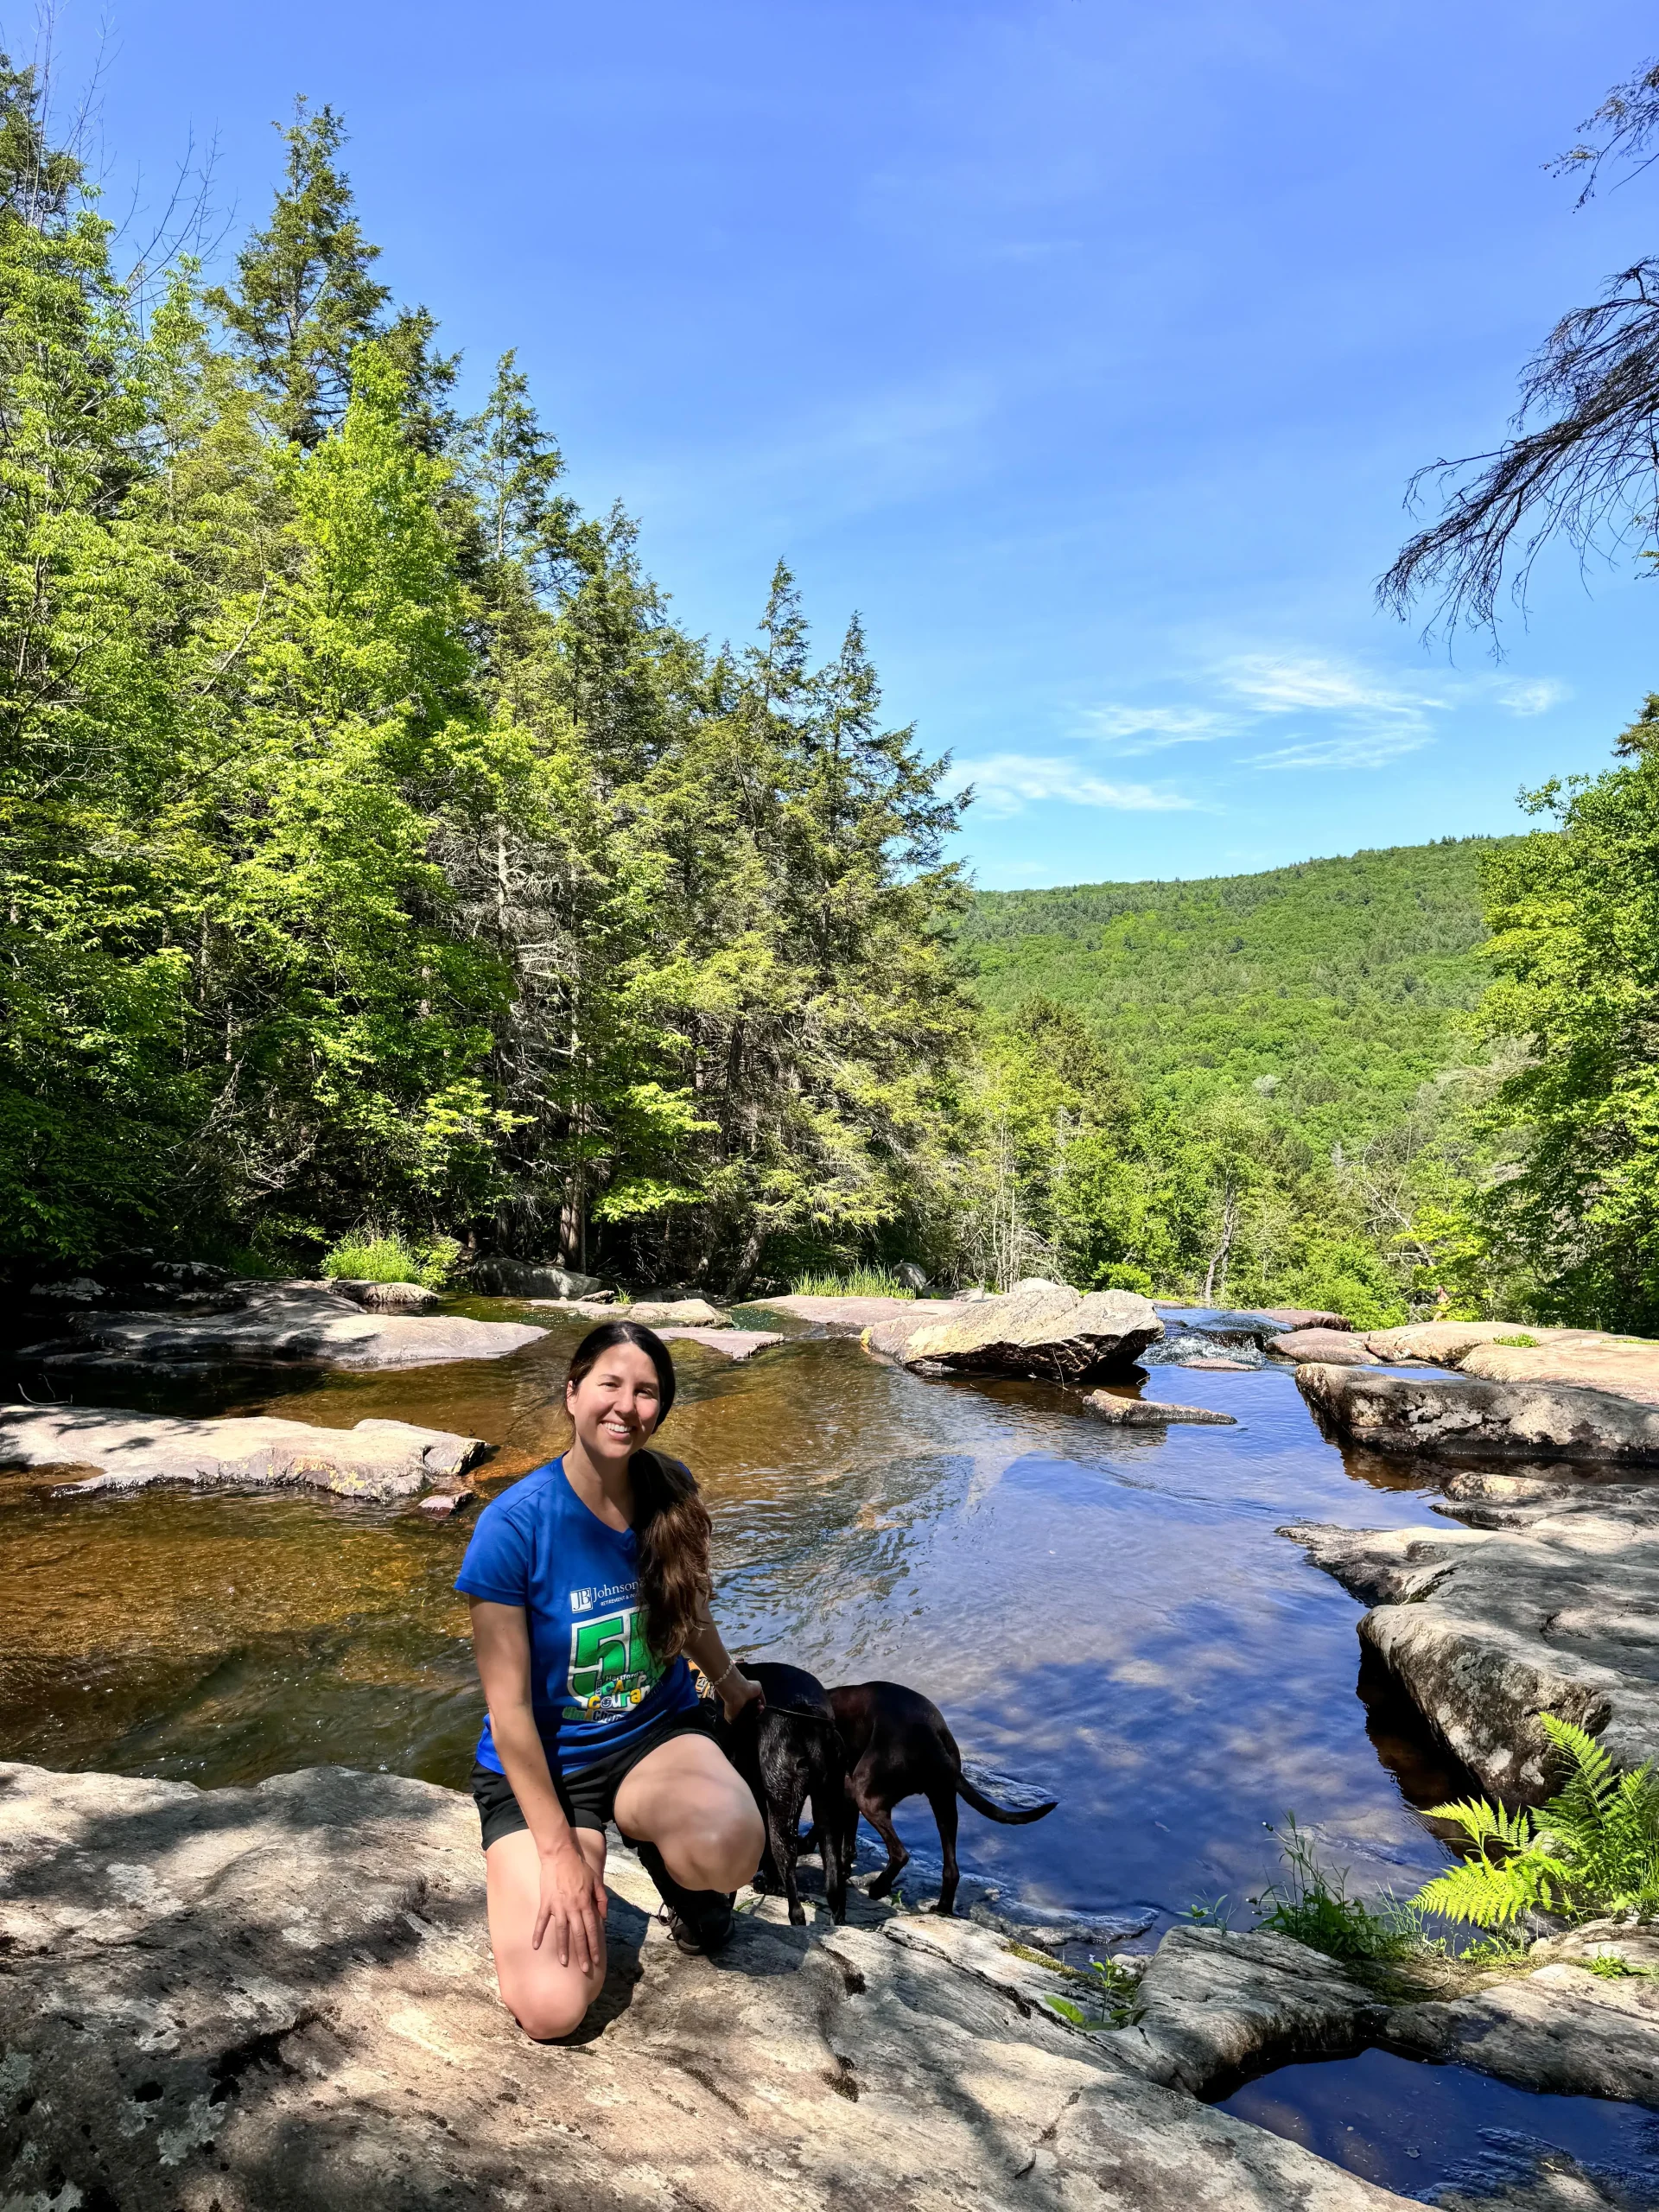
(791, 1751)
(897, 1744)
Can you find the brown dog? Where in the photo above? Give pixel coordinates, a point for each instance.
(898, 1745)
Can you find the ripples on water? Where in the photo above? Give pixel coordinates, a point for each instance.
(1111, 1616)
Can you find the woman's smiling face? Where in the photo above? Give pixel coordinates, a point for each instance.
(617, 1403)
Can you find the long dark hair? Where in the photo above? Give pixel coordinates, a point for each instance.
(670, 1521)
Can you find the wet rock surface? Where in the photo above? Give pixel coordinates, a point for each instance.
(1039, 1329)
(380, 1459)
(1554, 1609)
(283, 1997)
(729, 1342)
(287, 1323)
(1150, 1413)
(1464, 1413)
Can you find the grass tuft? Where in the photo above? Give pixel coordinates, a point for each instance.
(367, 1255)
(858, 1282)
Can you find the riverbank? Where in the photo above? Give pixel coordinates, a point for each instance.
(283, 1997)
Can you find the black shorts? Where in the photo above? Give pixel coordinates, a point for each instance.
(588, 1796)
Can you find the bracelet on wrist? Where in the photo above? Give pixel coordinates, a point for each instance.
(730, 1670)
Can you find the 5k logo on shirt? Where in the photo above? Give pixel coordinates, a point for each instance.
(611, 1666)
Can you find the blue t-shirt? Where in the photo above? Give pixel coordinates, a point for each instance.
(595, 1684)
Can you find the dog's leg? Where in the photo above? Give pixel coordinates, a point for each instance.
(833, 1855)
(943, 1799)
(784, 1836)
(898, 1857)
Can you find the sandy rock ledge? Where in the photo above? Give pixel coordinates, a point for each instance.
(378, 1460)
(284, 1323)
(1548, 1604)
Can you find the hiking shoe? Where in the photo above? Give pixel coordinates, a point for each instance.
(708, 1932)
(698, 1920)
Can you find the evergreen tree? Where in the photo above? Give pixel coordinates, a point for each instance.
(304, 299)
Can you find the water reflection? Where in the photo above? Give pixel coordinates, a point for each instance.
(1111, 1616)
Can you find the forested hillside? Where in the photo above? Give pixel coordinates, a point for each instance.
(1337, 986)
(379, 856)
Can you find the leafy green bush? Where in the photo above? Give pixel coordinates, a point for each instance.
(858, 1282)
(364, 1256)
(1593, 1848)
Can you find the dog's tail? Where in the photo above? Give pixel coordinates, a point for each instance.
(993, 1811)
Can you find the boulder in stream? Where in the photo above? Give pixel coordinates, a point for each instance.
(502, 1277)
(1039, 1328)
(387, 1297)
(287, 1323)
(378, 1460)
(1150, 1413)
(1338, 1347)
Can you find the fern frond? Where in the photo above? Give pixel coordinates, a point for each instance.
(1481, 1820)
(1584, 1795)
(1491, 1897)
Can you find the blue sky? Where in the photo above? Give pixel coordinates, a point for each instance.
(1084, 348)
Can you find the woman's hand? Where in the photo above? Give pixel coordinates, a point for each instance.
(572, 1906)
(738, 1691)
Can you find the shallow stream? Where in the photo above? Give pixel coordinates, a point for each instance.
(1110, 1615)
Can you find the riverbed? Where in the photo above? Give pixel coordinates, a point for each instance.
(1110, 1617)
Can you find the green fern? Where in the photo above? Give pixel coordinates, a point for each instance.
(1594, 1848)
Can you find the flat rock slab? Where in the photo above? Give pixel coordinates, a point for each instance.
(1306, 1317)
(1485, 1629)
(1339, 1347)
(1515, 1352)
(1148, 1413)
(731, 1344)
(1042, 1329)
(282, 1999)
(302, 1324)
(131, 1451)
(1215, 2005)
(1464, 1414)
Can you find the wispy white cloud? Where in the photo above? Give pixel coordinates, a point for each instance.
(1533, 698)
(1285, 683)
(1006, 782)
(1130, 730)
(1355, 750)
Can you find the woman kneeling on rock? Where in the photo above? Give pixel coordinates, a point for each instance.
(589, 1585)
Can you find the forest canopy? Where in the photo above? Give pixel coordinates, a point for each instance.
(377, 848)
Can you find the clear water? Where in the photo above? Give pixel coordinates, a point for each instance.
(1110, 1616)
(1419, 2129)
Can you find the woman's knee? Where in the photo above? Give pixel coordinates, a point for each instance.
(724, 1843)
(549, 2012)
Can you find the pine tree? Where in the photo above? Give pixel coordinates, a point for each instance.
(304, 299)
